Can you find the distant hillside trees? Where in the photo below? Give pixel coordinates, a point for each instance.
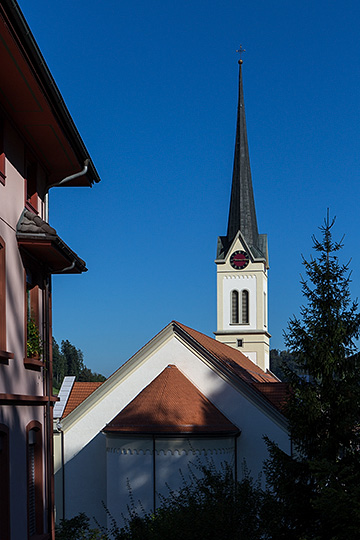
(68, 360)
(281, 361)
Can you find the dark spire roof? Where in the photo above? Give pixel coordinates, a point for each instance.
(242, 215)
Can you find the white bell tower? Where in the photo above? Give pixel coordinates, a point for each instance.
(242, 261)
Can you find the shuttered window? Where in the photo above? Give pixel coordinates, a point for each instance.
(34, 479)
(234, 307)
(244, 307)
(2, 297)
(31, 488)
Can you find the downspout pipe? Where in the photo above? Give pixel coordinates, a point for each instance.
(62, 182)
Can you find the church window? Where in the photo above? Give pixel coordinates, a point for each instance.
(234, 307)
(244, 307)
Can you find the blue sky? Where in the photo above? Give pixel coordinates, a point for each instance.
(152, 88)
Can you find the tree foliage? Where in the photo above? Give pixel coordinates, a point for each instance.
(317, 489)
(78, 528)
(279, 360)
(70, 361)
(212, 505)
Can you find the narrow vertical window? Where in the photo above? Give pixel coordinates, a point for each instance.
(2, 153)
(2, 297)
(4, 483)
(234, 307)
(244, 307)
(4, 355)
(33, 343)
(34, 481)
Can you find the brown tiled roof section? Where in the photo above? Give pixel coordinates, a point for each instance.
(231, 358)
(79, 392)
(264, 382)
(277, 393)
(171, 404)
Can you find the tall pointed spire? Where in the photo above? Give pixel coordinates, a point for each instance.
(242, 260)
(242, 215)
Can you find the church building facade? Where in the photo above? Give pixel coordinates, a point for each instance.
(184, 398)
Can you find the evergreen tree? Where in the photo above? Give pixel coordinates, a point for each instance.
(70, 361)
(280, 360)
(74, 358)
(59, 365)
(317, 489)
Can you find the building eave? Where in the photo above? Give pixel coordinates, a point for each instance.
(52, 115)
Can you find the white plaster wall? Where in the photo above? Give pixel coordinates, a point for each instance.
(85, 469)
(129, 476)
(130, 469)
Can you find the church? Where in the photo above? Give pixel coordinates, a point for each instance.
(184, 398)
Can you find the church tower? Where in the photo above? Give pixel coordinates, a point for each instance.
(242, 261)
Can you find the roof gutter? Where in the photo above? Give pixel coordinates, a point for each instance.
(63, 181)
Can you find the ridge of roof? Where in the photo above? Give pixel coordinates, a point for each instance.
(233, 359)
(171, 404)
(264, 383)
(227, 358)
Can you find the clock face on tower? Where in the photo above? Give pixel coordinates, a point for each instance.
(239, 260)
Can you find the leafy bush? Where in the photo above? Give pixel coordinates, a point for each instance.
(78, 528)
(212, 506)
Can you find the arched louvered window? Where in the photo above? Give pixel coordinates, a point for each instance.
(35, 479)
(244, 307)
(234, 307)
(4, 483)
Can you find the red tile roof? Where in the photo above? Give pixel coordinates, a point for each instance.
(231, 358)
(264, 382)
(277, 393)
(171, 404)
(79, 392)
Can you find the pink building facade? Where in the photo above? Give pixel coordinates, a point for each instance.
(39, 148)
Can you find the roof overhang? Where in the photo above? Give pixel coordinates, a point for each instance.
(51, 252)
(148, 431)
(33, 101)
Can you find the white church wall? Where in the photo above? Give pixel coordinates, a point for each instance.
(85, 444)
(85, 480)
(131, 465)
(129, 476)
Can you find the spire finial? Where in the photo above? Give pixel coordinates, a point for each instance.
(240, 50)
